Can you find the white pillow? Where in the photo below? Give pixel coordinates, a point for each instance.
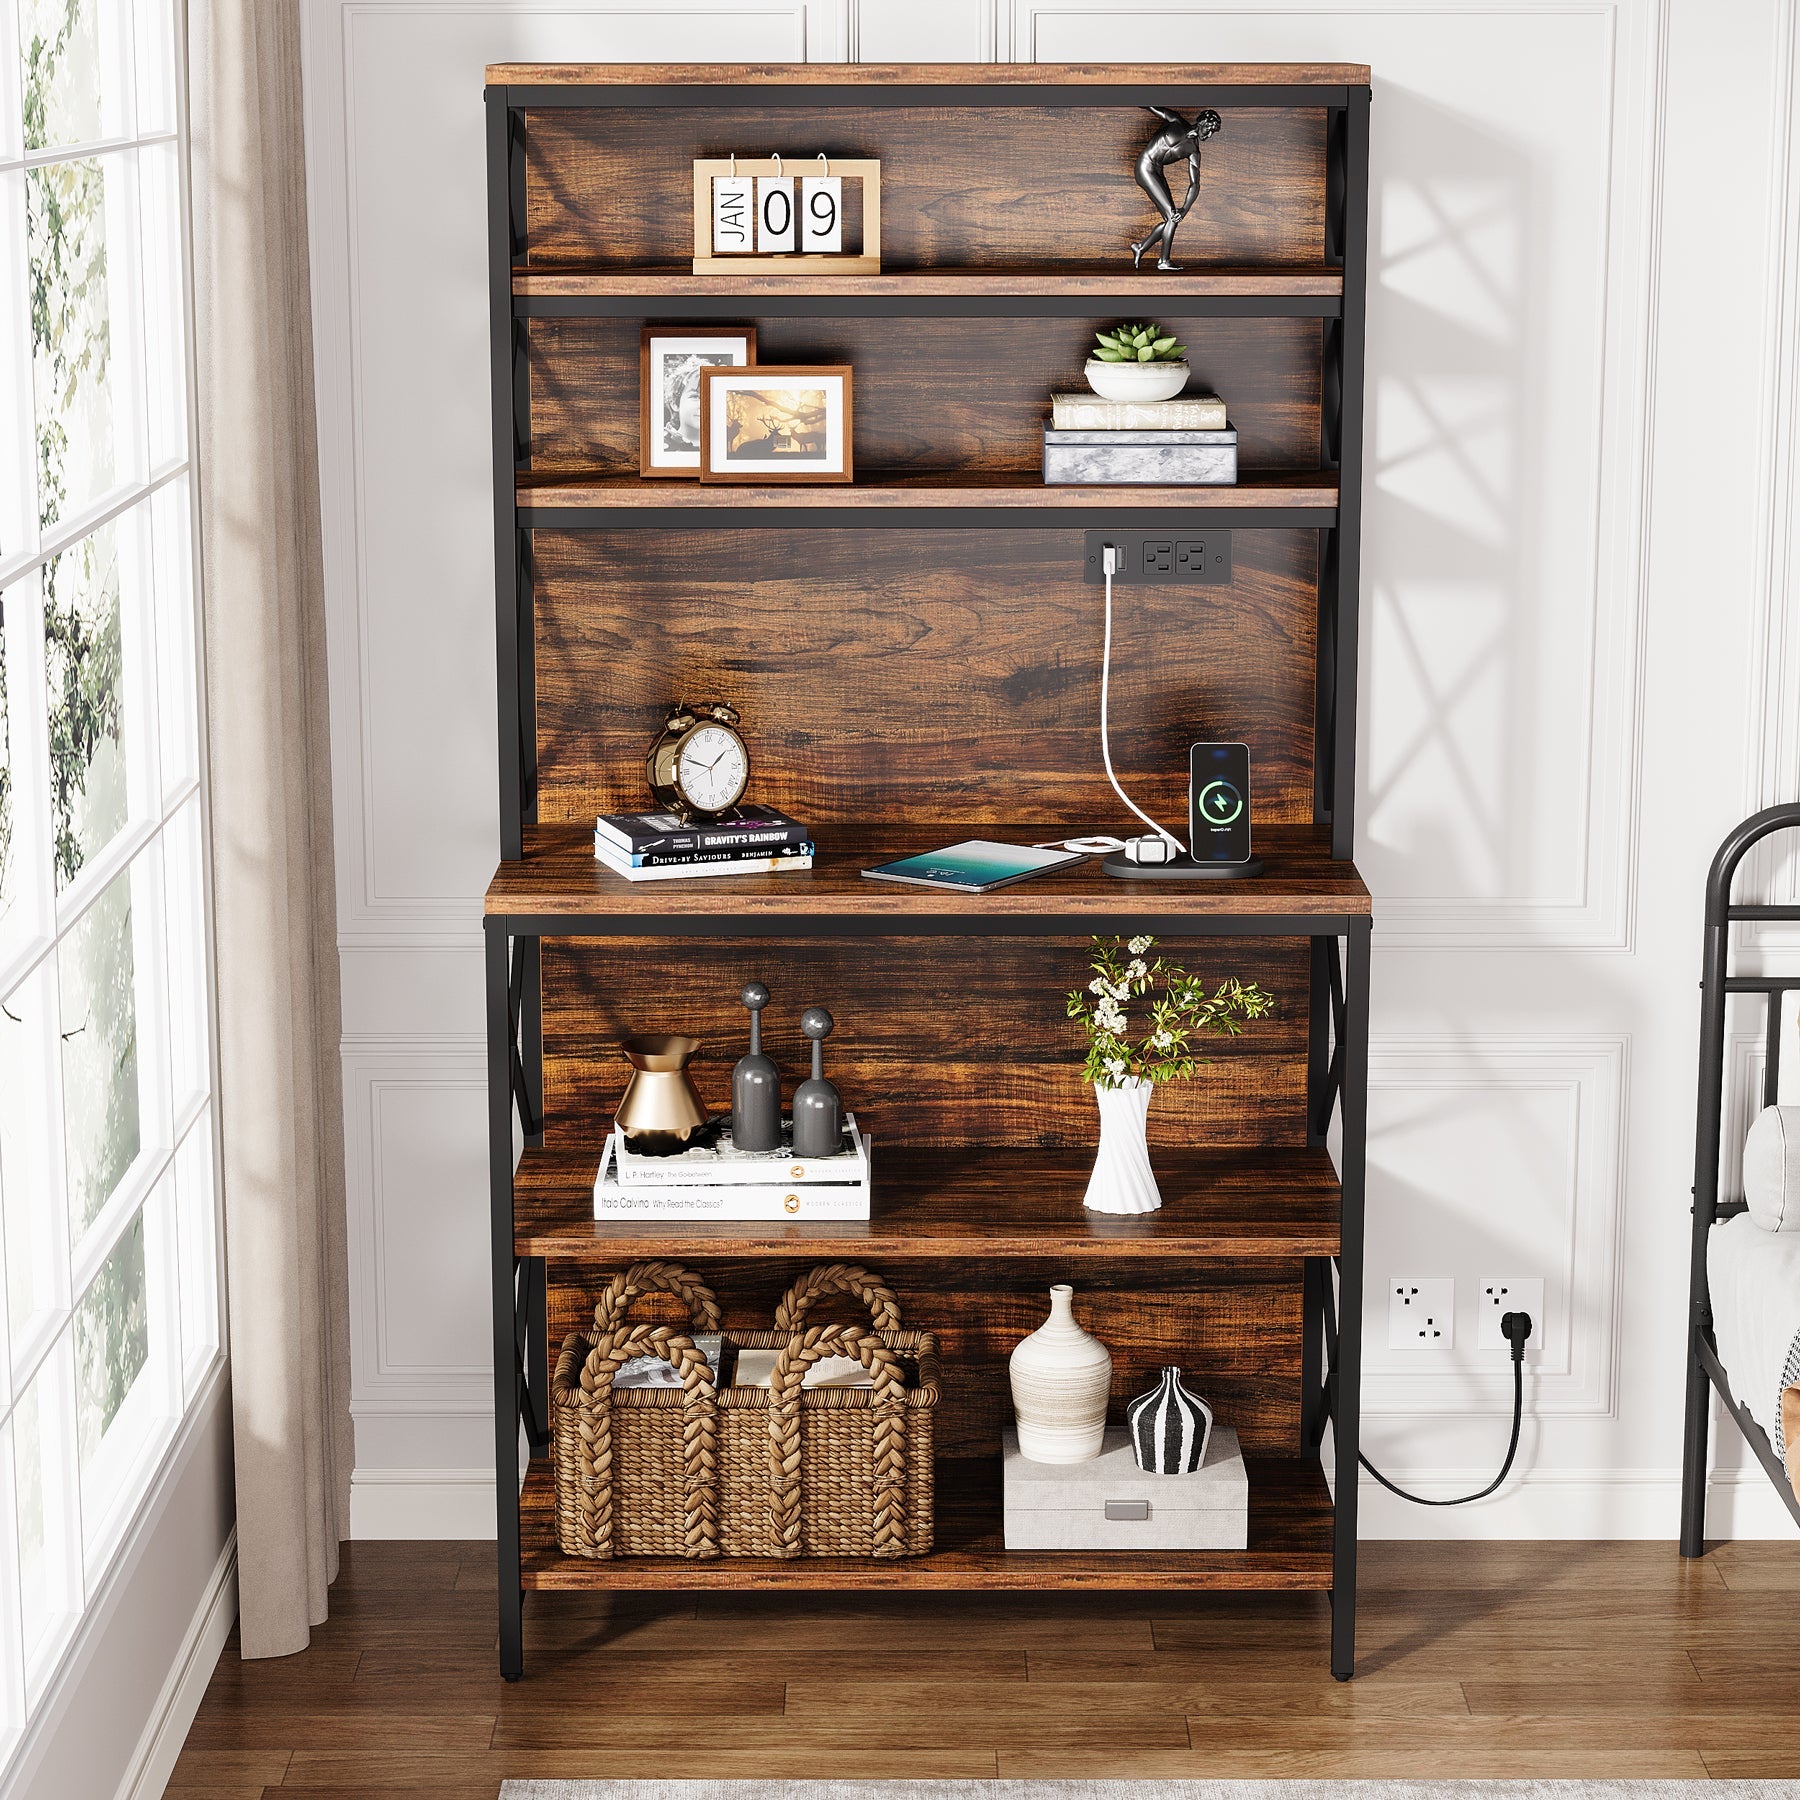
(1772, 1168)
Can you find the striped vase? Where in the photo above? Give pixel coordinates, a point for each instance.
(1169, 1427)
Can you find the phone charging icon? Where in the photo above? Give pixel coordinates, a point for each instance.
(1220, 803)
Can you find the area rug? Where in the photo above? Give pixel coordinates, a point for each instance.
(1156, 1790)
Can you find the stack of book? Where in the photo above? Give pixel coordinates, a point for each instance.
(756, 840)
(1093, 442)
(719, 1181)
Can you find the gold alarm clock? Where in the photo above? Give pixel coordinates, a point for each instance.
(699, 766)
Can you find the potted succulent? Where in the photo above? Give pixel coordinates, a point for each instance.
(1126, 1074)
(1137, 362)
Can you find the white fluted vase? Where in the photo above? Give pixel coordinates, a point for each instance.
(1122, 1181)
(1061, 1377)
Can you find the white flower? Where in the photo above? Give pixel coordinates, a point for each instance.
(1120, 991)
(1096, 986)
(1115, 1067)
(1161, 1041)
(1137, 971)
(1139, 945)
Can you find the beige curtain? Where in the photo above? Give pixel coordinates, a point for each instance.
(279, 1097)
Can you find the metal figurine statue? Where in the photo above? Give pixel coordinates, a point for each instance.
(1178, 140)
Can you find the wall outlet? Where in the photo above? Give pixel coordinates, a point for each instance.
(1421, 1312)
(1159, 557)
(1501, 1294)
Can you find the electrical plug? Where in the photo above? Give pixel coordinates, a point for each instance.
(1515, 1327)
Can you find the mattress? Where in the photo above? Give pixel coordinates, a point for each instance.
(1755, 1280)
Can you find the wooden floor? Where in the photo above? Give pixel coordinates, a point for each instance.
(1490, 1660)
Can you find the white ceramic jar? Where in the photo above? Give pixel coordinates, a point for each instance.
(1061, 1377)
(1136, 381)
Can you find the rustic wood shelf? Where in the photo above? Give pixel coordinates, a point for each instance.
(1290, 1543)
(561, 291)
(871, 78)
(560, 878)
(1282, 499)
(934, 1204)
(915, 656)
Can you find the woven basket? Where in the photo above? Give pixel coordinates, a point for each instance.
(777, 1471)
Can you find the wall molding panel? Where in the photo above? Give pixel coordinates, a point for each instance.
(1541, 1176)
(1773, 700)
(1497, 878)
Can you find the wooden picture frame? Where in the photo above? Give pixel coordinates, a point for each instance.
(668, 353)
(768, 459)
(865, 171)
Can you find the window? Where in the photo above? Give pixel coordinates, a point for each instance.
(108, 1218)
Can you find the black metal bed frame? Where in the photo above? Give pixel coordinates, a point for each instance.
(1717, 984)
(1338, 1035)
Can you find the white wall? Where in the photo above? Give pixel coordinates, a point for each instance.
(1581, 663)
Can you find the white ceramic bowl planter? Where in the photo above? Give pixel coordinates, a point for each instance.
(1137, 380)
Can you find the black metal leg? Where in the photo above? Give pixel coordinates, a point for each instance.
(537, 1353)
(1314, 1275)
(1693, 1454)
(506, 1303)
(1346, 1421)
(1706, 1198)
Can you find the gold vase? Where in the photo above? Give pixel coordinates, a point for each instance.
(661, 1108)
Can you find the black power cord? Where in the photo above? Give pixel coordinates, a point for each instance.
(1515, 1327)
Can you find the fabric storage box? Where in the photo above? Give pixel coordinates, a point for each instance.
(1140, 458)
(784, 1470)
(1111, 1504)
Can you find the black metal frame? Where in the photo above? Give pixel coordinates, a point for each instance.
(1717, 984)
(1337, 1061)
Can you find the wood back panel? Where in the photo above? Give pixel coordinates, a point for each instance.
(924, 676)
(1235, 1332)
(939, 1041)
(933, 394)
(961, 186)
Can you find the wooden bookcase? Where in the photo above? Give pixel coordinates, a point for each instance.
(917, 658)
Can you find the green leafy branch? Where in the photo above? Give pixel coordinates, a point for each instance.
(1137, 344)
(1181, 1010)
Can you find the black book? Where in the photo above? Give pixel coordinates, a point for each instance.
(750, 831)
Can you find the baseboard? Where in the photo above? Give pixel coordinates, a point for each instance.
(1571, 1503)
(154, 1760)
(422, 1503)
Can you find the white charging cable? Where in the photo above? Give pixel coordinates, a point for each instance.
(1111, 561)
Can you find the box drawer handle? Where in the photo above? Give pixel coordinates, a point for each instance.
(1128, 1509)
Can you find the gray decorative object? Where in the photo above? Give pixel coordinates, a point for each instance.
(1170, 1427)
(818, 1112)
(1134, 458)
(1178, 141)
(756, 1085)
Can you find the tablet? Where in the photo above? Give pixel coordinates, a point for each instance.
(975, 866)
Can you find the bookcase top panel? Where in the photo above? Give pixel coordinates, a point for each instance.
(971, 75)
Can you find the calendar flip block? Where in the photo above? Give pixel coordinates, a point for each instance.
(815, 238)
(733, 213)
(821, 214)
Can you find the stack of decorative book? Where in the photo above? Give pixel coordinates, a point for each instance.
(755, 840)
(1184, 442)
(715, 1180)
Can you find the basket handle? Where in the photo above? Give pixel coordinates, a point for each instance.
(838, 1278)
(655, 1278)
(889, 1407)
(699, 1423)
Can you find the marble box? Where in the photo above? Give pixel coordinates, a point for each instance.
(1111, 1504)
(1140, 458)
